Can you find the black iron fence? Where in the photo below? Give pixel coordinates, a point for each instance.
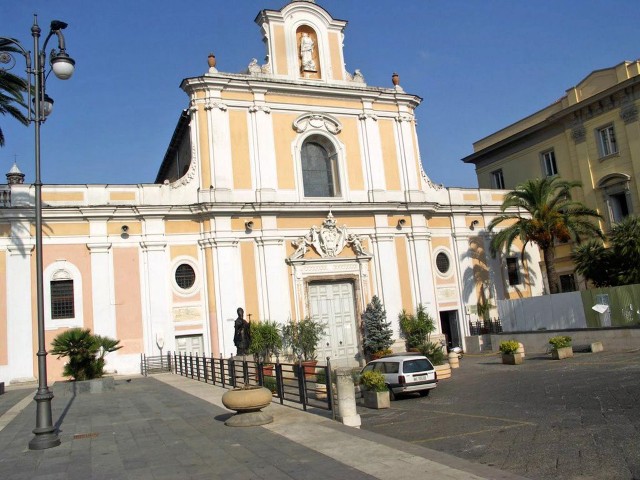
(157, 364)
(482, 327)
(303, 383)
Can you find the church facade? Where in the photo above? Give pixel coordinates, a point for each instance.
(293, 189)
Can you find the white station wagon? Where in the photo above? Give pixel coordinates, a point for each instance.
(405, 373)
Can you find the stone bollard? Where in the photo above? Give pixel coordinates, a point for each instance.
(347, 412)
(454, 361)
(520, 349)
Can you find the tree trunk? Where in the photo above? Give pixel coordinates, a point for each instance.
(549, 264)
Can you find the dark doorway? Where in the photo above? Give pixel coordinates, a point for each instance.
(450, 329)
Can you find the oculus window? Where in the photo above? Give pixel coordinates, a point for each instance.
(185, 276)
(442, 262)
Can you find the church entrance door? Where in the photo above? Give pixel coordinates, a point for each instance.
(332, 303)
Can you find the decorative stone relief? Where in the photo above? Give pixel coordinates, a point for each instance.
(629, 113)
(253, 68)
(435, 186)
(364, 116)
(191, 173)
(578, 133)
(259, 108)
(317, 120)
(404, 117)
(328, 240)
(210, 105)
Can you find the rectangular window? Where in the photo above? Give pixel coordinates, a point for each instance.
(62, 300)
(618, 205)
(568, 283)
(513, 273)
(497, 179)
(607, 141)
(549, 163)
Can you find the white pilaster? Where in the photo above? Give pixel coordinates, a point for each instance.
(372, 153)
(158, 321)
(263, 149)
(20, 332)
(387, 265)
(408, 158)
(102, 292)
(219, 147)
(230, 288)
(422, 271)
(274, 284)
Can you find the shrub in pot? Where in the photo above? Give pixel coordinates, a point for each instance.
(376, 393)
(509, 349)
(265, 340)
(302, 338)
(561, 347)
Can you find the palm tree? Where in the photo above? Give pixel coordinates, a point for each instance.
(12, 88)
(545, 214)
(619, 264)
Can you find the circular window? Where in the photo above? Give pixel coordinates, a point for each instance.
(442, 262)
(185, 276)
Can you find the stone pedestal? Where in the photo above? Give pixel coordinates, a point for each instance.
(247, 403)
(347, 412)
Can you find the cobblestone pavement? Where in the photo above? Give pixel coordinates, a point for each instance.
(577, 418)
(170, 427)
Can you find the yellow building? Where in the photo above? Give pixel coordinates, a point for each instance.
(292, 189)
(591, 134)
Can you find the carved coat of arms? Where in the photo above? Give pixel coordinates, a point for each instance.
(328, 240)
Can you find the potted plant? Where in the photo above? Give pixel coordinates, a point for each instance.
(509, 351)
(265, 342)
(375, 391)
(561, 347)
(302, 337)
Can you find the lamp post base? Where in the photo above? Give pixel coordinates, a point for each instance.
(45, 433)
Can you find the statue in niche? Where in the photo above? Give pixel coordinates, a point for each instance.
(306, 52)
(242, 333)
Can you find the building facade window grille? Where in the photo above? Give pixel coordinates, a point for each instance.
(607, 141)
(185, 276)
(513, 271)
(62, 299)
(497, 179)
(549, 163)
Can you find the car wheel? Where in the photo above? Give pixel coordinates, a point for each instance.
(392, 395)
(424, 393)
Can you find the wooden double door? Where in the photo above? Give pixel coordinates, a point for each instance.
(333, 304)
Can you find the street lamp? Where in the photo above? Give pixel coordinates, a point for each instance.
(62, 66)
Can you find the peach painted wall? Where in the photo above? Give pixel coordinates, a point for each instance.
(79, 256)
(126, 261)
(249, 276)
(403, 274)
(211, 302)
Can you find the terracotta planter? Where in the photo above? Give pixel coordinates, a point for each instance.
(247, 403)
(443, 371)
(560, 353)
(376, 399)
(512, 358)
(267, 370)
(309, 367)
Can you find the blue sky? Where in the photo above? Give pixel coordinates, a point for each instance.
(478, 65)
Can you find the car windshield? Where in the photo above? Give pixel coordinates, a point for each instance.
(418, 365)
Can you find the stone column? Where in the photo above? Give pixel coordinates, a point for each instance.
(347, 412)
(158, 293)
(263, 150)
(219, 135)
(274, 284)
(389, 279)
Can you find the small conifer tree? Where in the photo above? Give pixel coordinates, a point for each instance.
(377, 331)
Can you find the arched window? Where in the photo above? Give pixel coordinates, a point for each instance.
(319, 168)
